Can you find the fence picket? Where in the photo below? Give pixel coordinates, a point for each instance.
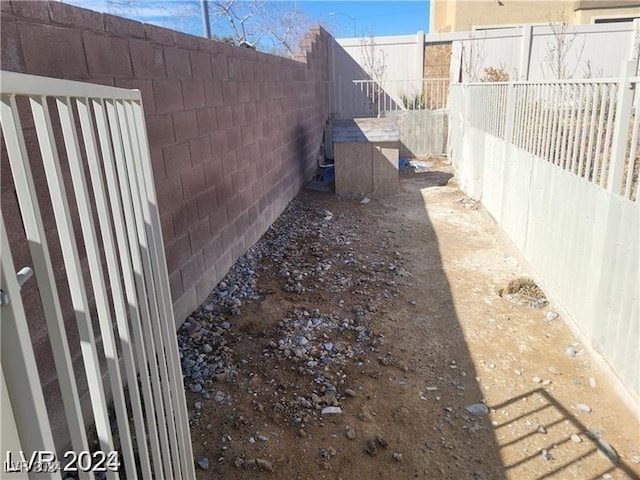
(71, 257)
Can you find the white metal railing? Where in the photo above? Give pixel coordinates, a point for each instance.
(588, 127)
(374, 98)
(112, 181)
(556, 165)
(418, 105)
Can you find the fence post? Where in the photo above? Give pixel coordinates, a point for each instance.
(511, 109)
(525, 52)
(419, 73)
(621, 127)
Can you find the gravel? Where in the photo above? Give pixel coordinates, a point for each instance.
(581, 407)
(203, 463)
(478, 409)
(299, 249)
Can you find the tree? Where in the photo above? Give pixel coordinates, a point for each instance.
(374, 63)
(274, 26)
(557, 60)
(473, 57)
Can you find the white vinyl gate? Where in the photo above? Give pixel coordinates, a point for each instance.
(104, 134)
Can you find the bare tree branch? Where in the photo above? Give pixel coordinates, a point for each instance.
(253, 22)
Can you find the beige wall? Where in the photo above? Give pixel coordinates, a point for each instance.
(463, 15)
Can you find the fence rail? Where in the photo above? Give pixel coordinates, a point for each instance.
(96, 134)
(373, 98)
(580, 126)
(419, 106)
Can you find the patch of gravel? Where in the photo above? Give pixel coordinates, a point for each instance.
(309, 252)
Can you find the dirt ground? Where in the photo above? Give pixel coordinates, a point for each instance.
(388, 312)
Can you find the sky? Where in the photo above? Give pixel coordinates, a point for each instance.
(341, 18)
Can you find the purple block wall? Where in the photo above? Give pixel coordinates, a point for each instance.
(233, 135)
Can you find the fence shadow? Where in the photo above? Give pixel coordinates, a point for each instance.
(569, 445)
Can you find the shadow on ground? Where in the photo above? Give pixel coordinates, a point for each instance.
(385, 313)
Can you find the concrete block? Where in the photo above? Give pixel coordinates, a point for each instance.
(177, 252)
(200, 150)
(248, 71)
(206, 118)
(163, 36)
(250, 113)
(193, 94)
(168, 96)
(201, 65)
(224, 191)
(250, 174)
(234, 208)
(157, 162)
(192, 182)
(107, 55)
(184, 124)
(5, 9)
(219, 144)
(238, 248)
(234, 64)
(237, 115)
(246, 198)
(224, 117)
(385, 167)
(31, 10)
(10, 47)
(212, 251)
(224, 263)
(184, 216)
(366, 155)
(193, 269)
(177, 62)
(213, 171)
(218, 220)
(244, 91)
(177, 158)
(76, 17)
(168, 231)
(219, 66)
(354, 172)
(247, 134)
(213, 93)
(234, 139)
(229, 236)
(146, 90)
(207, 202)
(123, 26)
(184, 305)
(169, 192)
(206, 284)
(175, 284)
(147, 59)
(199, 234)
(189, 42)
(160, 130)
(52, 51)
(229, 93)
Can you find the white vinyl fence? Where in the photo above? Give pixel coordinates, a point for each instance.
(107, 157)
(556, 164)
(419, 105)
(532, 52)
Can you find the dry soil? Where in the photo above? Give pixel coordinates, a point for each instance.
(417, 275)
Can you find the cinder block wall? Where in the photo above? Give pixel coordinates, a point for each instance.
(233, 135)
